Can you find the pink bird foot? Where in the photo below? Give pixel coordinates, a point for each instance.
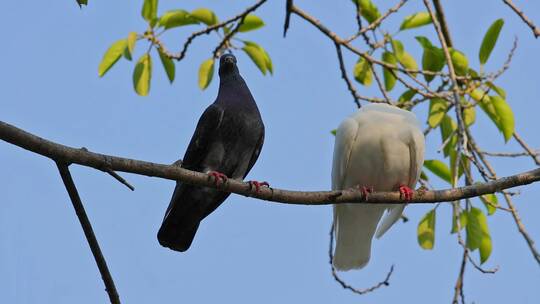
(218, 176)
(258, 185)
(406, 193)
(365, 191)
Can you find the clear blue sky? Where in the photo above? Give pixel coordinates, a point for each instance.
(248, 251)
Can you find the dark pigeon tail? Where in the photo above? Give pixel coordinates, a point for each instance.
(188, 207)
(172, 235)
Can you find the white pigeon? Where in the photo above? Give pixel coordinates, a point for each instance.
(380, 147)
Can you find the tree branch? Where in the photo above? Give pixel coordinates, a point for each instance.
(526, 147)
(442, 20)
(521, 14)
(65, 154)
(345, 77)
(88, 232)
(288, 5)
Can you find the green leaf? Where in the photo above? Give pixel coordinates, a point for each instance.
(267, 59)
(423, 176)
(487, 105)
(463, 164)
(500, 91)
(82, 2)
(149, 10)
(438, 168)
(506, 122)
(489, 41)
(460, 62)
(480, 96)
(368, 10)
(131, 40)
(448, 126)
(478, 236)
(407, 96)
(437, 110)
(424, 42)
(362, 72)
(497, 110)
(415, 20)
(176, 18)
(426, 230)
(490, 201)
(142, 75)
(334, 132)
(397, 47)
(408, 62)
(404, 58)
(168, 65)
(205, 15)
(111, 56)
(206, 72)
(469, 114)
(251, 22)
(389, 78)
(462, 221)
(432, 59)
(257, 55)
(473, 73)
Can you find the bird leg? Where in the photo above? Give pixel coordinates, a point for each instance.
(258, 185)
(218, 176)
(405, 193)
(365, 191)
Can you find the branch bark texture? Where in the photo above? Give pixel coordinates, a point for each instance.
(69, 155)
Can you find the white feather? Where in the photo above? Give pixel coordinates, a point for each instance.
(380, 146)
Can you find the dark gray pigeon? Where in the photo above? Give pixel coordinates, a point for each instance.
(226, 144)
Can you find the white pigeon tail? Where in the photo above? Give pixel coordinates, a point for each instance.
(379, 147)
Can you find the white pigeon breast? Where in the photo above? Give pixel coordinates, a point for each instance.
(382, 146)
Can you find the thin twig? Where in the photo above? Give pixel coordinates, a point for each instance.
(381, 85)
(510, 154)
(385, 282)
(521, 14)
(442, 20)
(88, 232)
(179, 56)
(507, 62)
(225, 42)
(337, 39)
(528, 149)
(359, 23)
(120, 179)
(479, 268)
(521, 227)
(288, 6)
(373, 25)
(345, 77)
(458, 288)
(441, 28)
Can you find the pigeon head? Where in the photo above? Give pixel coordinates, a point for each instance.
(227, 65)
